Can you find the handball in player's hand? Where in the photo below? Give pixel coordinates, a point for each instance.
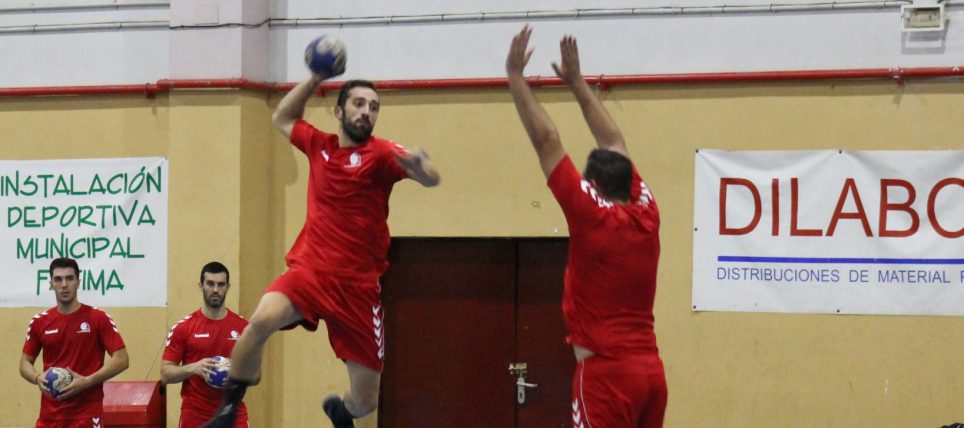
(56, 379)
(326, 56)
(220, 376)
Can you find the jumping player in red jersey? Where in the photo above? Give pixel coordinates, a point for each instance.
(193, 341)
(610, 279)
(335, 263)
(73, 336)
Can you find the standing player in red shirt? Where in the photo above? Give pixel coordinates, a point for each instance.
(73, 336)
(193, 341)
(610, 280)
(334, 265)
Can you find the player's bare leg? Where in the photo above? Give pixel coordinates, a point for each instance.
(274, 311)
(360, 400)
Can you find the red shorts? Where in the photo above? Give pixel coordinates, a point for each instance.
(190, 420)
(351, 308)
(624, 393)
(85, 422)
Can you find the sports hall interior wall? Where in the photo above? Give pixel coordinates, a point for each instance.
(237, 194)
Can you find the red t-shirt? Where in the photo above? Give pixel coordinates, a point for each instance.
(346, 225)
(610, 280)
(197, 337)
(76, 341)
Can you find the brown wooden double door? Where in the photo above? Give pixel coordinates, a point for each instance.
(458, 312)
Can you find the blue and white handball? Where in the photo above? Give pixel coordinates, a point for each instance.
(326, 55)
(220, 376)
(56, 379)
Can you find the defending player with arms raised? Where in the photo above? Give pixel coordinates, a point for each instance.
(207, 332)
(610, 279)
(73, 336)
(335, 263)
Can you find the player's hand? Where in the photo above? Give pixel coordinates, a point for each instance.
(412, 163)
(317, 78)
(203, 367)
(568, 67)
(76, 386)
(418, 166)
(42, 385)
(519, 52)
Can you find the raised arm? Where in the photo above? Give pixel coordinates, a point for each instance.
(601, 125)
(292, 106)
(542, 132)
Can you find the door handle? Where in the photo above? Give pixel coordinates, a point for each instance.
(520, 389)
(522, 383)
(520, 370)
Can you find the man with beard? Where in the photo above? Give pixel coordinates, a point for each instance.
(194, 341)
(335, 263)
(73, 336)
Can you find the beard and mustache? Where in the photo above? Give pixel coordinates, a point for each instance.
(214, 301)
(358, 131)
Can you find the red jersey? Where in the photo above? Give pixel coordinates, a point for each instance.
(76, 341)
(197, 337)
(346, 226)
(610, 280)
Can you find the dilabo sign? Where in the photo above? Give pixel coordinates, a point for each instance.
(874, 232)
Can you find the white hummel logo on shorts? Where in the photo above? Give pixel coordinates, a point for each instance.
(576, 415)
(377, 323)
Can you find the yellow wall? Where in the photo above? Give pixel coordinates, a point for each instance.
(238, 196)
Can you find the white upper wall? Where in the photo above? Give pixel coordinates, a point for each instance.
(314, 8)
(433, 49)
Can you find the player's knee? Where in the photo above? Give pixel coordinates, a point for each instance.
(262, 324)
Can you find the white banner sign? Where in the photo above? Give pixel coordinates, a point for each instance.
(108, 214)
(829, 232)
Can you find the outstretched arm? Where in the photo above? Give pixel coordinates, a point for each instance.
(601, 125)
(292, 106)
(542, 132)
(419, 167)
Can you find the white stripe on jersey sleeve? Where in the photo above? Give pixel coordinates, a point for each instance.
(171, 333)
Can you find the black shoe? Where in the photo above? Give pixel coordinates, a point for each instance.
(224, 417)
(334, 407)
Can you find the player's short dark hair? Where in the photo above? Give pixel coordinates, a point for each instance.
(215, 267)
(351, 84)
(64, 262)
(612, 172)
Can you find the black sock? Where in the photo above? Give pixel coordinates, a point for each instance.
(338, 413)
(234, 390)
